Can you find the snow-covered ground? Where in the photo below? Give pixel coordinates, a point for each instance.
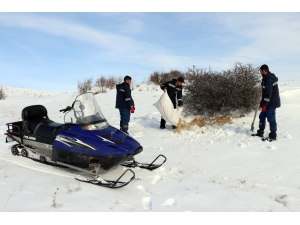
(208, 169)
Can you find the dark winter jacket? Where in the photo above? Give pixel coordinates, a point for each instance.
(173, 92)
(124, 99)
(270, 91)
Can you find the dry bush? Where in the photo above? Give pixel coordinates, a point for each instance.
(85, 86)
(230, 92)
(107, 82)
(120, 79)
(162, 77)
(2, 94)
(155, 77)
(101, 82)
(111, 82)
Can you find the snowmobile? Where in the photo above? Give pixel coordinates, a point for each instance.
(84, 142)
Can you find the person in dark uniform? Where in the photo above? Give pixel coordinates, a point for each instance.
(174, 90)
(270, 100)
(125, 103)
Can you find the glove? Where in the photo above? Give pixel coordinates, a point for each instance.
(264, 108)
(132, 109)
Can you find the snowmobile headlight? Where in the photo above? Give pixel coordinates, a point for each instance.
(96, 126)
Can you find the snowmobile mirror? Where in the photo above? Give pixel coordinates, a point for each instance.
(82, 107)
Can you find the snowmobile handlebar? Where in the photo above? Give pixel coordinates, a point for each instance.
(66, 109)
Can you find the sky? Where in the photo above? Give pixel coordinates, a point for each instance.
(54, 46)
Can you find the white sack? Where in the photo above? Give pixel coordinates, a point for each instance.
(167, 111)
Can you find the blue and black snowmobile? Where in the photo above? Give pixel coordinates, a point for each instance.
(85, 142)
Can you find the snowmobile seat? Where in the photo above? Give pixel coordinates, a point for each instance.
(36, 121)
(48, 129)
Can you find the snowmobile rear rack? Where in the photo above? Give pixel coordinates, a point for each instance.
(147, 166)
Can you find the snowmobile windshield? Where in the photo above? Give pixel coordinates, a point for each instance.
(86, 113)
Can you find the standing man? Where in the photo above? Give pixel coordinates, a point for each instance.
(124, 103)
(174, 90)
(269, 102)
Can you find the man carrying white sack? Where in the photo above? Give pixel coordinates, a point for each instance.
(174, 90)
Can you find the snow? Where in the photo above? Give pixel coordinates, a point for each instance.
(208, 169)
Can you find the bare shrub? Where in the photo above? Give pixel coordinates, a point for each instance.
(162, 77)
(85, 86)
(230, 92)
(101, 83)
(111, 82)
(120, 79)
(175, 74)
(106, 82)
(2, 94)
(155, 77)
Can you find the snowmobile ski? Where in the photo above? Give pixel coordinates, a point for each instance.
(148, 166)
(109, 183)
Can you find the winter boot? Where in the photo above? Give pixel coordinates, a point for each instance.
(125, 129)
(273, 129)
(259, 133)
(174, 127)
(271, 139)
(162, 124)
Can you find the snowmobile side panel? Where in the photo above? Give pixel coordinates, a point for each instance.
(83, 160)
(94, 142)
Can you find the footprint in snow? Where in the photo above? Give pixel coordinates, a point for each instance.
(288, 136)
(169, 202)
(160, 169)
(147, 203)
(242, 145)
(272, 147)
(173, 170)
(156, 179)
(142, 188)
(137, 134)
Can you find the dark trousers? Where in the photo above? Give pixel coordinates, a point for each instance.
(270, 115)
(124, 119)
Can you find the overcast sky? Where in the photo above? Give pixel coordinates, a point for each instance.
(53, 51)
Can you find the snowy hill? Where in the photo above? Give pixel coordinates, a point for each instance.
(208, 169)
